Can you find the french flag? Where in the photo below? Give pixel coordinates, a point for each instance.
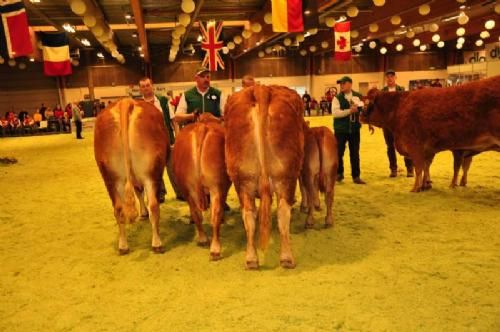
(14, 31)
(56, 57)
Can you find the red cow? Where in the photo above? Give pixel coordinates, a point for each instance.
(264, 155)
(200, 170)
(425, 122)
(319, 172)
(131, 148)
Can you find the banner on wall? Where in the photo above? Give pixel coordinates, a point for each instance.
(14, 30)
(342, 41)
(56, 58)
(211, 44)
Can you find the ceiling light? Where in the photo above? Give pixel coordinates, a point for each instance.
(440, 44)
(372, 44)
(479, 42)
(139, 48)
(459, 46)
(35, 1)
(200, 38)
(68, 28)
(490, 24)
(399, 47)
(423, 48)
(85, 42)
(134, 35)
(128, 16)
(142, 55)
(307, 12)
(416, 42)
(383, 50)
(461, 40)
(100, 55)
(451, 18)
(32, 59)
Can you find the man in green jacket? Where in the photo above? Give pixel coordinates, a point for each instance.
(345, 109)
(199, 99)
(161, 103)
(390, 79)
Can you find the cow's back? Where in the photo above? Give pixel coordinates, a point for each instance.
(456, 117)
(147, 138)
(264, 134)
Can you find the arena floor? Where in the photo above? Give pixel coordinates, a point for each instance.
(394, 261)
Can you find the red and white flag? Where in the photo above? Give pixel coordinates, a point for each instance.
(14, 32)
(343, 41)
(212, 45)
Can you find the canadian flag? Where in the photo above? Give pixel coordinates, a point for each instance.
(343, 41)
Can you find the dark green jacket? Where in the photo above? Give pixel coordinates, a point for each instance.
(166, 117)
(348, 124)
(208, 103)
(398, 88)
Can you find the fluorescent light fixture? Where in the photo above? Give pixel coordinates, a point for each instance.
(85, 42)
(68, 28)
(100, 55)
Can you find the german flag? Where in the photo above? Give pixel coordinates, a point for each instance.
(287, 15)
(56, 58)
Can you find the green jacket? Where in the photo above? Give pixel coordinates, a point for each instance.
(398, 88)
(348, 124)
(210, 102)
(166, 117)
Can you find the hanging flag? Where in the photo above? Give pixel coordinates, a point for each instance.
(212, 45)
(287, 15)
(56, 59)
(14, 33)
(343, 41)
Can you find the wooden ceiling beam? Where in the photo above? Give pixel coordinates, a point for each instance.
(141, 31)
(194, 18)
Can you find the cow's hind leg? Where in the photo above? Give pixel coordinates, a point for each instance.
(139, 193)
(304, 205)
(419, 169)
(249, 215)
(217, 215)
(197, 218)
(465, 169)
(154, 216)
(286, 257)
(457, 163)
(123, 247)
(427, 183)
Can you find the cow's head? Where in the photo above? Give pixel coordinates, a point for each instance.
(379, 107)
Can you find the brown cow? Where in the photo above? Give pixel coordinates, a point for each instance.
(131, 147)
(200, 169)
(425, 122)
(319, 172)
(264, 155)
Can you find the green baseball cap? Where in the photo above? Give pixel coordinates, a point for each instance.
(201, 70)
(345, 79)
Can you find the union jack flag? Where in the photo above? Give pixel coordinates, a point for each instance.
(211, 45)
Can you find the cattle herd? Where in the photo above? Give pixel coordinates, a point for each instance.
(264, 146)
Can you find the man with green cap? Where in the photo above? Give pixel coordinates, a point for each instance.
(345, 109)
(199, 99)
(390, 79)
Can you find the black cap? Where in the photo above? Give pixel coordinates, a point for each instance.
(345, 79)
(390, 72)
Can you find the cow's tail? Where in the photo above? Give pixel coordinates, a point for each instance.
(320, 141)
(260, 113)
(129, 209)
(199, 139)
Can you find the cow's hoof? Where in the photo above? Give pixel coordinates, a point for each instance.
(252, 265)
(158, 250)
(309, 226)
(453, 185)
(144, 216)
(123, 251)
(329, 225)
(463, 184)
(215, 256)
(304, 209)
(203, 244)
(287, 264)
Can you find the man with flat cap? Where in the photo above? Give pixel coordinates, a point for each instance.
(199, 99)
(345, 109)
(391, 86)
